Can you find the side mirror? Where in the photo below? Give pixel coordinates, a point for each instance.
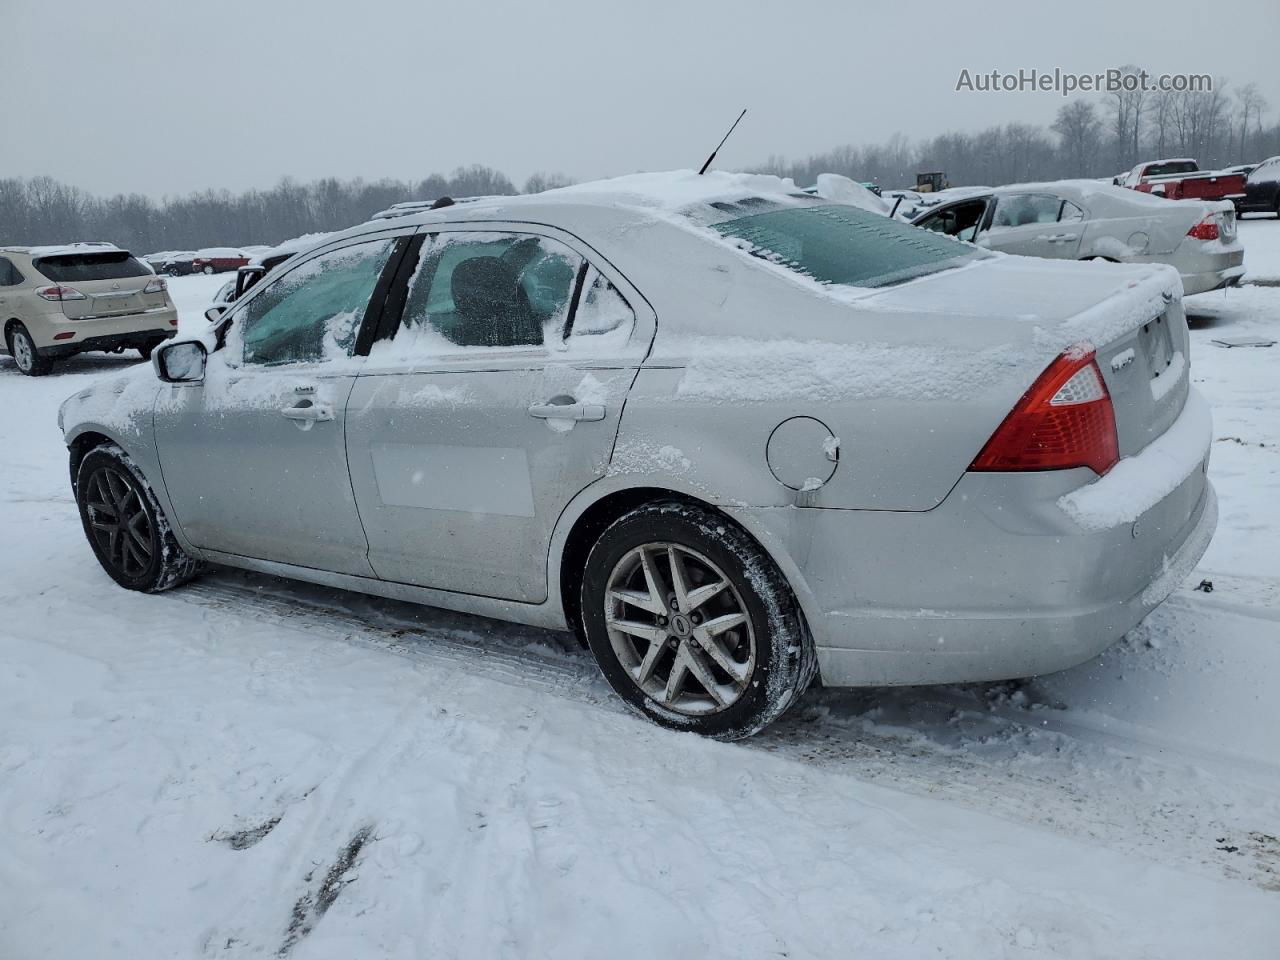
(214, 313)
(181, 362)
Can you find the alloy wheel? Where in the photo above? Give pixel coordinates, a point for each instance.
(24, 353)
(121, 526)
(679, 628)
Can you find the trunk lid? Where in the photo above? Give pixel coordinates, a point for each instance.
(1131, 314)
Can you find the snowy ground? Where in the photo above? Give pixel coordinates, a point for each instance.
(248, 766)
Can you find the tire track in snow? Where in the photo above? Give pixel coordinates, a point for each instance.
(983, 746)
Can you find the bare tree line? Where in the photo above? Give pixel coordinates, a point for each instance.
(42, 210)
(1087, 138)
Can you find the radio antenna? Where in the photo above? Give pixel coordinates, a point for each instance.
(721, 143)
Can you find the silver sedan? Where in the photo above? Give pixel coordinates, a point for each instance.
(1088, 220)
(737, 437)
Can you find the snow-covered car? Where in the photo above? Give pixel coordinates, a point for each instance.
(736, 436)
(56, 302)
(1088, 220)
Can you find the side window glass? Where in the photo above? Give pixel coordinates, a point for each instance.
(9, 275)
(1070, 213)
(1022, 209)
(603, 319)
(314, 311)
(475, 291)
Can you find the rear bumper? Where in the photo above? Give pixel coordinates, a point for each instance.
(1202, 270)
(994, 644)
(112, 341)
(105, 333)
(1012, 575)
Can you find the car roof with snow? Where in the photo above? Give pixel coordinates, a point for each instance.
(65, 249)
(1099, 198)
(675, 197)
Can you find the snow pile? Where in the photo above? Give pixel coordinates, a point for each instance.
(838, 189)
(1138, 483)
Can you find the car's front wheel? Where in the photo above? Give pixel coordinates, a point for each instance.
(125, 526)
(692, 623)
(208, 270)
(22, 347)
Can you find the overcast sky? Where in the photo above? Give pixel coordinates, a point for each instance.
(163, 97)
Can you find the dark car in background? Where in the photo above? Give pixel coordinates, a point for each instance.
(1262, 189)
(171, 263)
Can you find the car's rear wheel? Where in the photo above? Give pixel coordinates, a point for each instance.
(129, 533)
(692, 623)
(22, 347)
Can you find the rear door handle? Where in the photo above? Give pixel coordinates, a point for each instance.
(567, 411)
(1061, 237)
(309, 412)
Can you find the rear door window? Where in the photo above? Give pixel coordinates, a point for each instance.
(80, 267)
(1070, 213)
(487, 290)
(1022, 209)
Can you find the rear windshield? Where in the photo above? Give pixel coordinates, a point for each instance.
(1166, 169)
(109, 265)
(846, 245)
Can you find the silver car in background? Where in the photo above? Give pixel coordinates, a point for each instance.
(1088, 220)
(735, 436)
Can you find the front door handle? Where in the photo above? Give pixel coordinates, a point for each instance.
(567, 411)
(308, 412)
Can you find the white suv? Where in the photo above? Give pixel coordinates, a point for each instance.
(59, 301)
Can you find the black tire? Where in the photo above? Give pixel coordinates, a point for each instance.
(785, 661)
(209, 271)
(149, 347)
(22, 347)
(123, 522)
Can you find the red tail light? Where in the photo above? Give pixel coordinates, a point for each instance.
(56, 294)
(1065, 420)
(156, 285)
(1206, 229)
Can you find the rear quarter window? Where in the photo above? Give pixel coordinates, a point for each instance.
(72, 267)
(9, 275)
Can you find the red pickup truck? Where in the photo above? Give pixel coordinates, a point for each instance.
(1182, 179)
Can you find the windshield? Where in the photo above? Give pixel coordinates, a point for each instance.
(844, 245)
